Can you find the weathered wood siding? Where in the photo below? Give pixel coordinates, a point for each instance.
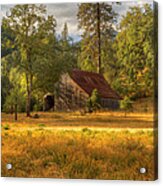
(71, 96)
(109, 103)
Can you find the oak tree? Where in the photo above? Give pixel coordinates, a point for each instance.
(31, 26)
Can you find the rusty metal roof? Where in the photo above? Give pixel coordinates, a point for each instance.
(90, 80)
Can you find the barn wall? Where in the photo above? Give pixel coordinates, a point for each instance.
(71, 96)
(110, 103)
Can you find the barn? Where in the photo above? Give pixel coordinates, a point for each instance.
(76, 87)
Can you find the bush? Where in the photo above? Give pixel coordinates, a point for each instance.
(93, 103)
(9, 104)
(37, 107)
(6, 127)
(126, 104)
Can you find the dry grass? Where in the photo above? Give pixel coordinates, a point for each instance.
(68, 145)
(84, 153)
(75, 119)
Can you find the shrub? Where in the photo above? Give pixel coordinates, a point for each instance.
(6, 127)
(93, 102)
(37, 107)
(126, 105)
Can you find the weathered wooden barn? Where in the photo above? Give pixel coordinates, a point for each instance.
(75, 88)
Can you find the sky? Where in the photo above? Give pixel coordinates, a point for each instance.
(67, 12)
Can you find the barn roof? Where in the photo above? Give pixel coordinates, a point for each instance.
(90, 80)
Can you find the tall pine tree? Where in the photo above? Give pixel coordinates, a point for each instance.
(96, 20)
(65, 32)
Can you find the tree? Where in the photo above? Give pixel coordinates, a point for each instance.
(5, 89)
(96, 19)
(68, 49)
(126, 104)
(14, 99)
(31, 27)
(93, 103)
(7, 52)
(7, 39)
(65, 33)
(135, 53)
(59, 57)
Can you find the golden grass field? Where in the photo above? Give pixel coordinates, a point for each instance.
(104, 145)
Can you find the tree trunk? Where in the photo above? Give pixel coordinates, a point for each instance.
(29, 92)
(16, 115)
(99, 39)
(28, 104)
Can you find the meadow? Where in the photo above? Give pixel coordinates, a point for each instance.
(103, 145)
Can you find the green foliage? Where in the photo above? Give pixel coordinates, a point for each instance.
(89, 105)
(96, 19)
(30, 45)
(7, 39)
(5, 89)
(134, 52)
(65, 32)
(38, 107)
(126, 104)
(58, 58)
(16, 97)
(95, 97)
(7, 54)
(32, 30)
(6, 127)
(93, 103)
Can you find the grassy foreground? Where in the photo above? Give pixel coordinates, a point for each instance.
(76, 148)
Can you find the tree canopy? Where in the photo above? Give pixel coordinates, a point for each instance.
(30, 44)
(134, 51)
